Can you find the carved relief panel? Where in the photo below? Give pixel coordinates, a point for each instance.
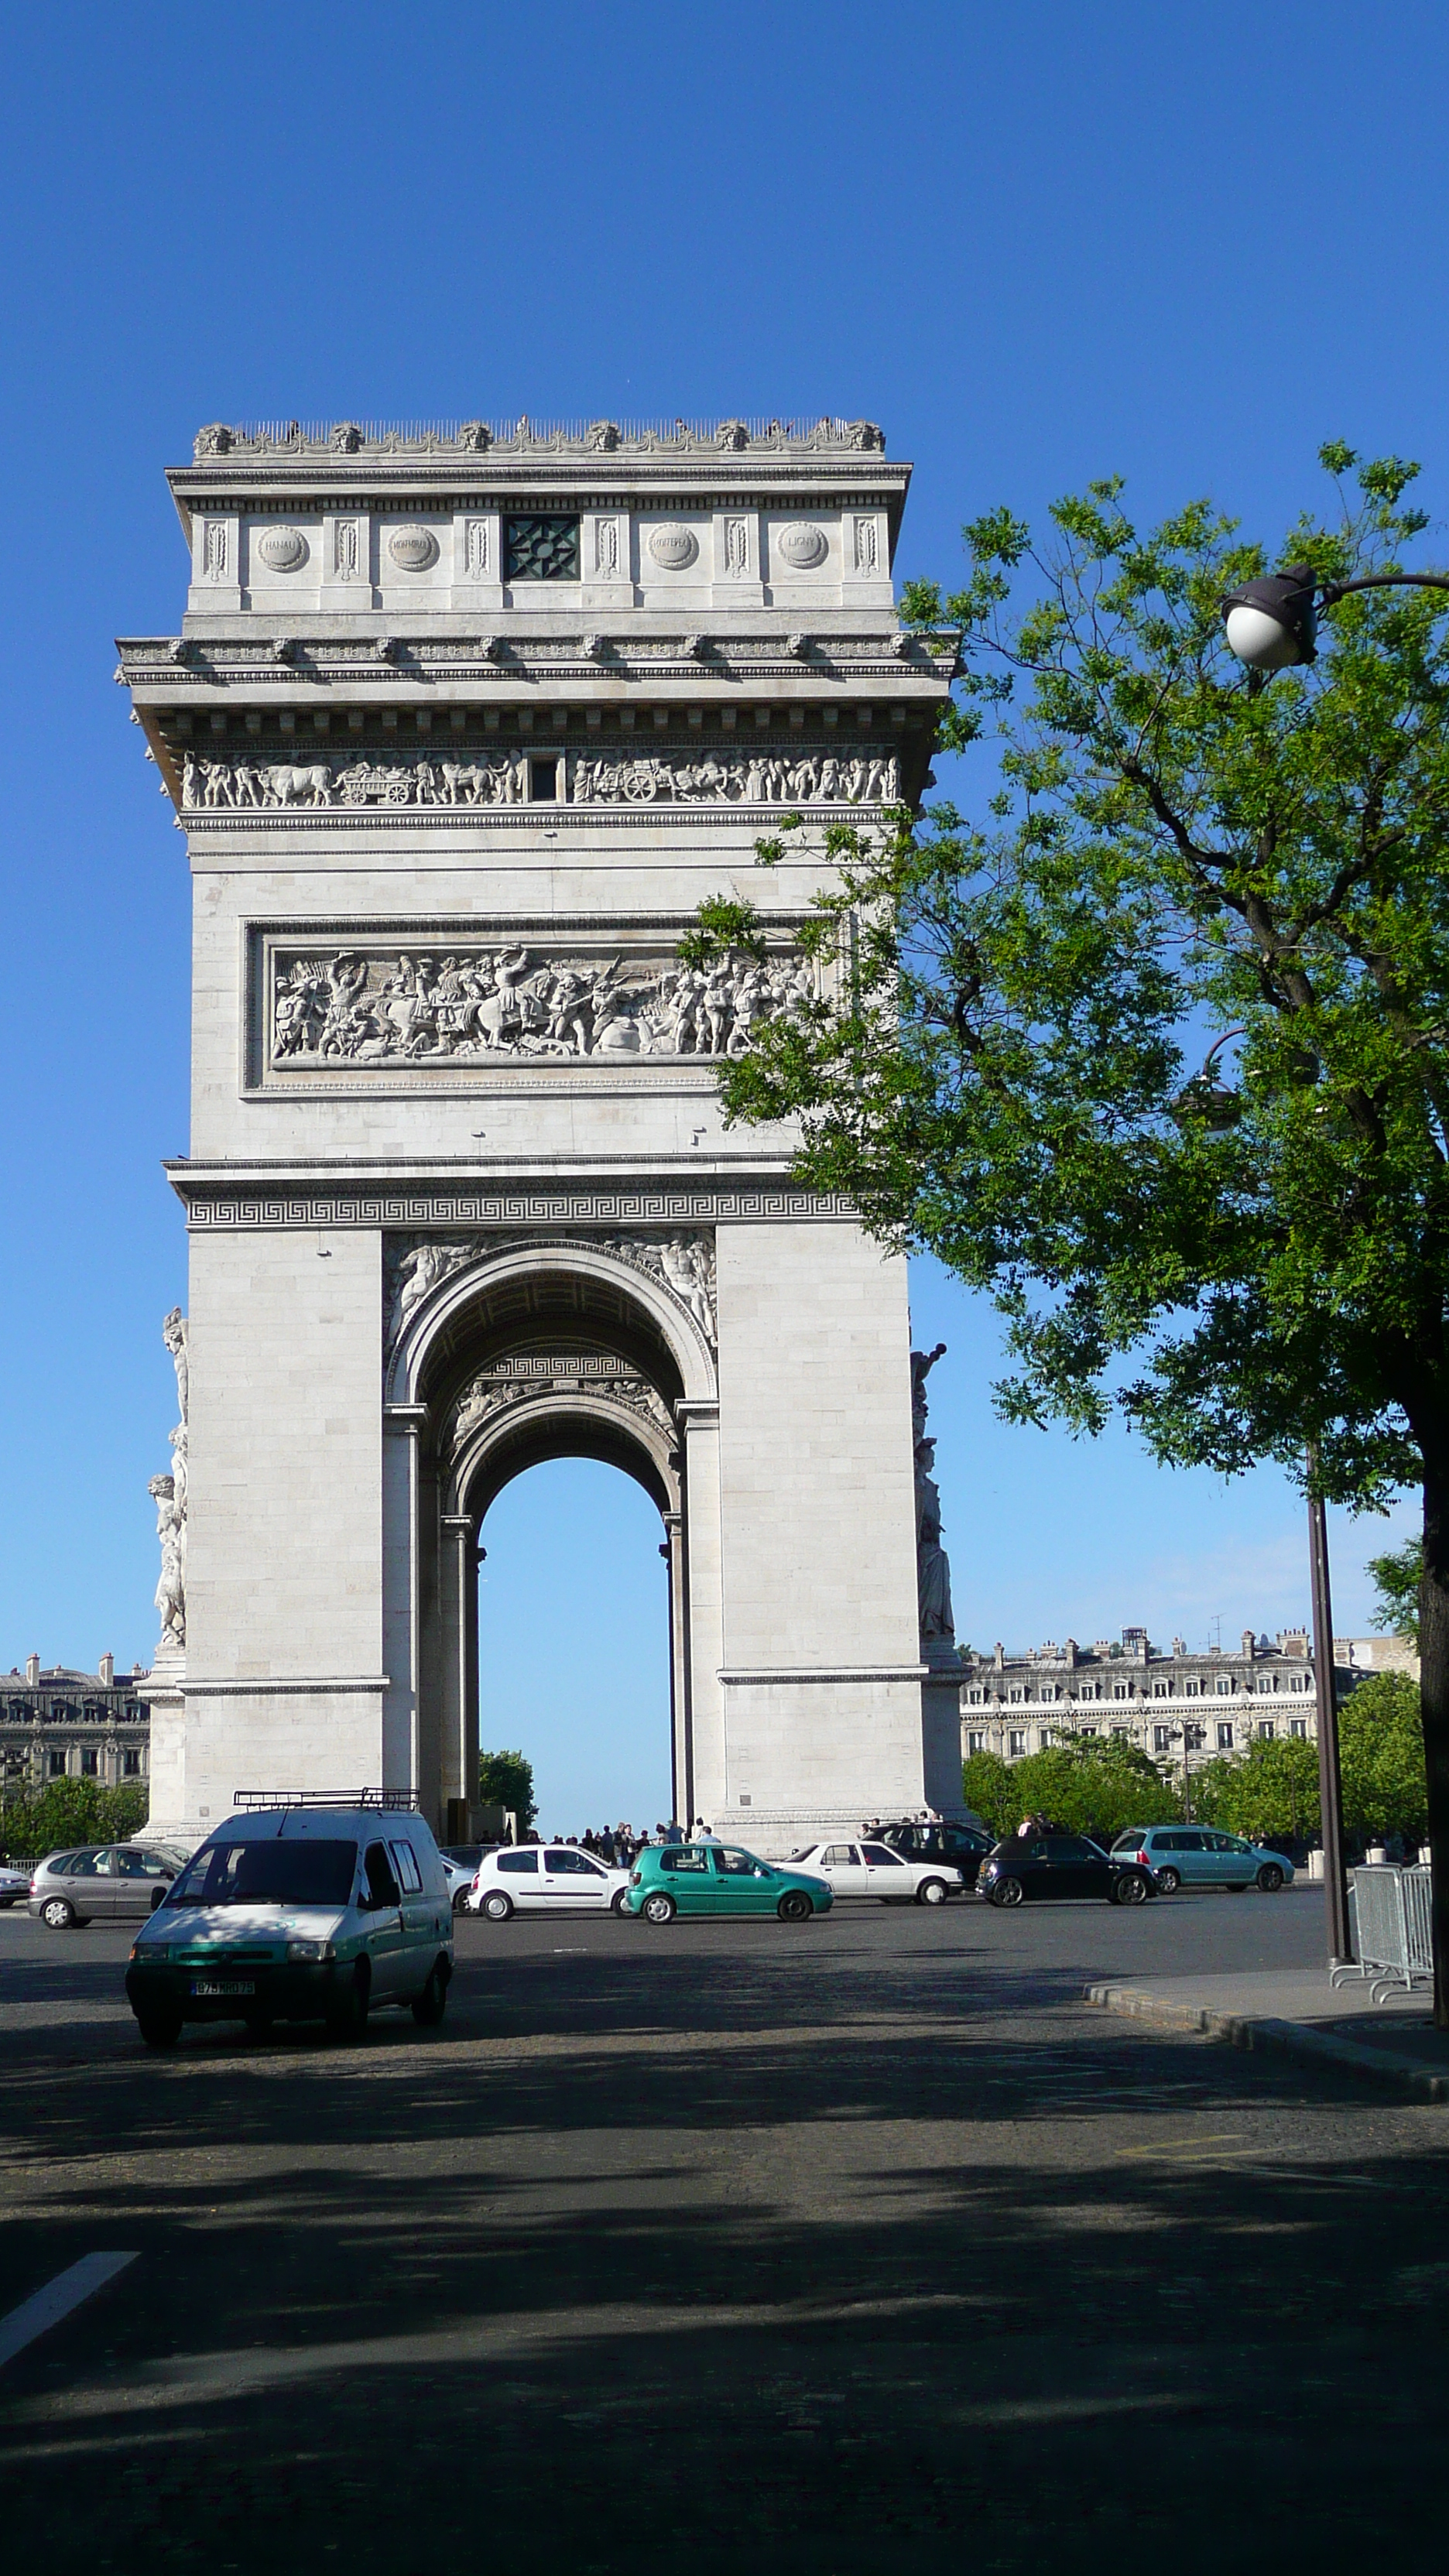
(468, 1001)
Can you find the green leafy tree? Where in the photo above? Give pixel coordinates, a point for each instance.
(1397, 1576)
(70, 1811)
(1381, 1752)
(1248, 1257)
(506, 1780)
(1087, 1785)
(1269, 1792)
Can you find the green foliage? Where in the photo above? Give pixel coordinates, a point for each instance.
(506, 1780)
(1381, 1753)
(70, 1811)
(1268, 1793)
(1271, 1790)
(1094, 1785)
(723, 927)
(1397, 1576)
(1176, 850)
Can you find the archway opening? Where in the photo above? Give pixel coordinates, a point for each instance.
(573, 1642)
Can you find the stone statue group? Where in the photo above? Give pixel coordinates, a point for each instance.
(758, 777)
(509, 1002)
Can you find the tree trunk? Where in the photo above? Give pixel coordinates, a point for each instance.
(1434, 1704)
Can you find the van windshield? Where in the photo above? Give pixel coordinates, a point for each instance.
(268, 1873)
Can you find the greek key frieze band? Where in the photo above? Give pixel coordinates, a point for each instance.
(233, 1210)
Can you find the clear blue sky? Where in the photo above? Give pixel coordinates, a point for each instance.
(1036, 242)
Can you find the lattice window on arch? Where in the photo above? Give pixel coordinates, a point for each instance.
(541, 548)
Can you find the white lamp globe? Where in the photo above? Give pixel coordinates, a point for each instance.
(1261, 641)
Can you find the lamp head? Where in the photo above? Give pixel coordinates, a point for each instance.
(1271, 623)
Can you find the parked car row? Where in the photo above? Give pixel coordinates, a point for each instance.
(902, 1864)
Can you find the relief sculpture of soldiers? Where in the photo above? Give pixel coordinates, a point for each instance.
(512, 1002)
(819, 777)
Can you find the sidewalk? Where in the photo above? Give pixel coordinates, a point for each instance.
(1295, 2011)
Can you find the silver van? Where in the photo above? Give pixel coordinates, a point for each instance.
(298, 1913)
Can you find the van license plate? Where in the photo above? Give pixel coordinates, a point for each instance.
(205, 1986)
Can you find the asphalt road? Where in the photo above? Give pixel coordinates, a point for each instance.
(822, 2248)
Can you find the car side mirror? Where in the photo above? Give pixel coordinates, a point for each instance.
(158, 1897)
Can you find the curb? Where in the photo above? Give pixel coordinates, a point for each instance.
(1385, 2066)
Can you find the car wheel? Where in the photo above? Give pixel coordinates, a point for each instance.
(430, 2006)
(1169, 1881)
(932, 1891)
(1007, 1891)
(616, 1901)
(460, 1901)
(794, 1906)
(58, 1914)
(1130, 1890)
(347, 2019)
(1270, 1879)
(659, 1908)
(497, 1906)
(159, 2029)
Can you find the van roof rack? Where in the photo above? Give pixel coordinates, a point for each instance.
(389, 1801)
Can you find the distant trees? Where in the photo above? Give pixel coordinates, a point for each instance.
(506, 1780)
(1095, 1785)
(70, 1811)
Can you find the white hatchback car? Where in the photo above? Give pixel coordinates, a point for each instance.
(545, 1878)
(873, 1869)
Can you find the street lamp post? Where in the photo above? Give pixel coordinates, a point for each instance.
(1272, 623)
(1330, 1786)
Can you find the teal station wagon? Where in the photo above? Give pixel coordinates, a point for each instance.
(718, 1878)
(1201, 1856)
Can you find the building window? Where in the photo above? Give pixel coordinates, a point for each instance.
(1162, 1739)
(539, 548)
(1016, 1697)
(55, 1763)
(90, 1762)
(1298, 1726)
(1266, 1730)
(1122, 1733)
(1225, 1738)
(1225, 1687)
(1161, 1690)
(1017, 1743)
(131, 1765)
(976, 1741)
(1193, 1738)
(1121, 1690)
(1192, 1690)
(974, 1698)
(1091, 1730)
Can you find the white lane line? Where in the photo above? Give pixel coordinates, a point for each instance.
(70, 2289)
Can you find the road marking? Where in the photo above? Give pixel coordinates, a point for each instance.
(69, 2290)
(1184, 2146)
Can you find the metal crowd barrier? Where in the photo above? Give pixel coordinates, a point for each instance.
(1391, 1923)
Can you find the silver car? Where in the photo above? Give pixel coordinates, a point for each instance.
(101, 1883)
(14, 1883)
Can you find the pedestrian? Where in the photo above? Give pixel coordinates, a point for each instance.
(673, 1831)
(704, 1833)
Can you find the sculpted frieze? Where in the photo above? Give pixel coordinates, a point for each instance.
(762, 777)
(531, 1378)
(485, 1004)
(680, 1260)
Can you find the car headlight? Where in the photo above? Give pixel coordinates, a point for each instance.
(310, 1950)
(991, 1869)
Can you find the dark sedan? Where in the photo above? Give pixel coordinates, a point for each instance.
(1054, 1866)
(960, 1847)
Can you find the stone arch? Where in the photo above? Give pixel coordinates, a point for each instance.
(537, 1278)
(514, 1352)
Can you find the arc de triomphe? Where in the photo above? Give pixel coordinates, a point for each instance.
(460, 728)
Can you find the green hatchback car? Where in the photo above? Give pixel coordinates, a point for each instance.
(718, 1878)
